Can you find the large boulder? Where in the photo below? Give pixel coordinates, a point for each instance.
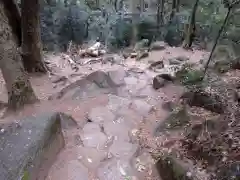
(28, 147)
(177, 119)
(158, 82)
(141, 45)
(158, 46)
(173, 168)
(95, 83)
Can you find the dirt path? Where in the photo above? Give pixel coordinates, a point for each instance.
(108, 143)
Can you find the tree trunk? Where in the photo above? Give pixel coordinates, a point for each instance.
(158, 16)
(216, 40)
(18, 86)
(162, 12)
(177, 5)
(31, 40)
(173, 11)
(12, 12)
(135, 6)
(115, 5)
(190, 33)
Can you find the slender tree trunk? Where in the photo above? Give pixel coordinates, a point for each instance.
(216, 40)
(162, 12)
(190, 33)
(158, 16)
(115, 5)
(173, 11)
(31, 40)
(18, 86)
(135, 6)
(177, 5)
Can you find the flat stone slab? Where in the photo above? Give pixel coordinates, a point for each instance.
(91, 128)
(94, 139)
(123, 150)
(100, 114)
(116, 170)
(115, 103)
(142, 107)
(71, 170)
(91, 157)
(28, 148)
(119, 129)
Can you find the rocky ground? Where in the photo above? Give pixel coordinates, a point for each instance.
(121, 107)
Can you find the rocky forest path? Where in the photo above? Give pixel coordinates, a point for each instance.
(116, 109)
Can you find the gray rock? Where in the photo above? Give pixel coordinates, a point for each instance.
(158, 82)
(130, 80)
(88, 91)
(117, 77)
(118, 129)
(141, 107)
(101, 114)
(130, 116)
(123, 150)
(141, 55)
(94, 139)
(170, 167)
(115, 103)
(156, 65)
(158, 46)
(57, 79)
(133, 55)
(108, 58)
(174, 61)
(24, 145)
(116, 170)
(182, 58)
(136, 70)
(72, 170)
(91, 127)
(100, 78)
(168, 106)
(67, 121)
(91, 157)
(141, 45)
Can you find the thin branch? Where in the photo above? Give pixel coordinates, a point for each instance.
(216, 40)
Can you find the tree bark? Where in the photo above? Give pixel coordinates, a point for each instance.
(12, 12)
(158, 16)
(18, 86)
(190, 33)
(135, 7)
(162, 12)
(31, 40)
(173, 11)
(216, 40)
(177, 5)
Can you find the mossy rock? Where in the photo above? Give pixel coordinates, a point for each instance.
(222, 66)
(178, 118)
(141, 45)
(170, 168)
(189, 76)
(199, 97)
